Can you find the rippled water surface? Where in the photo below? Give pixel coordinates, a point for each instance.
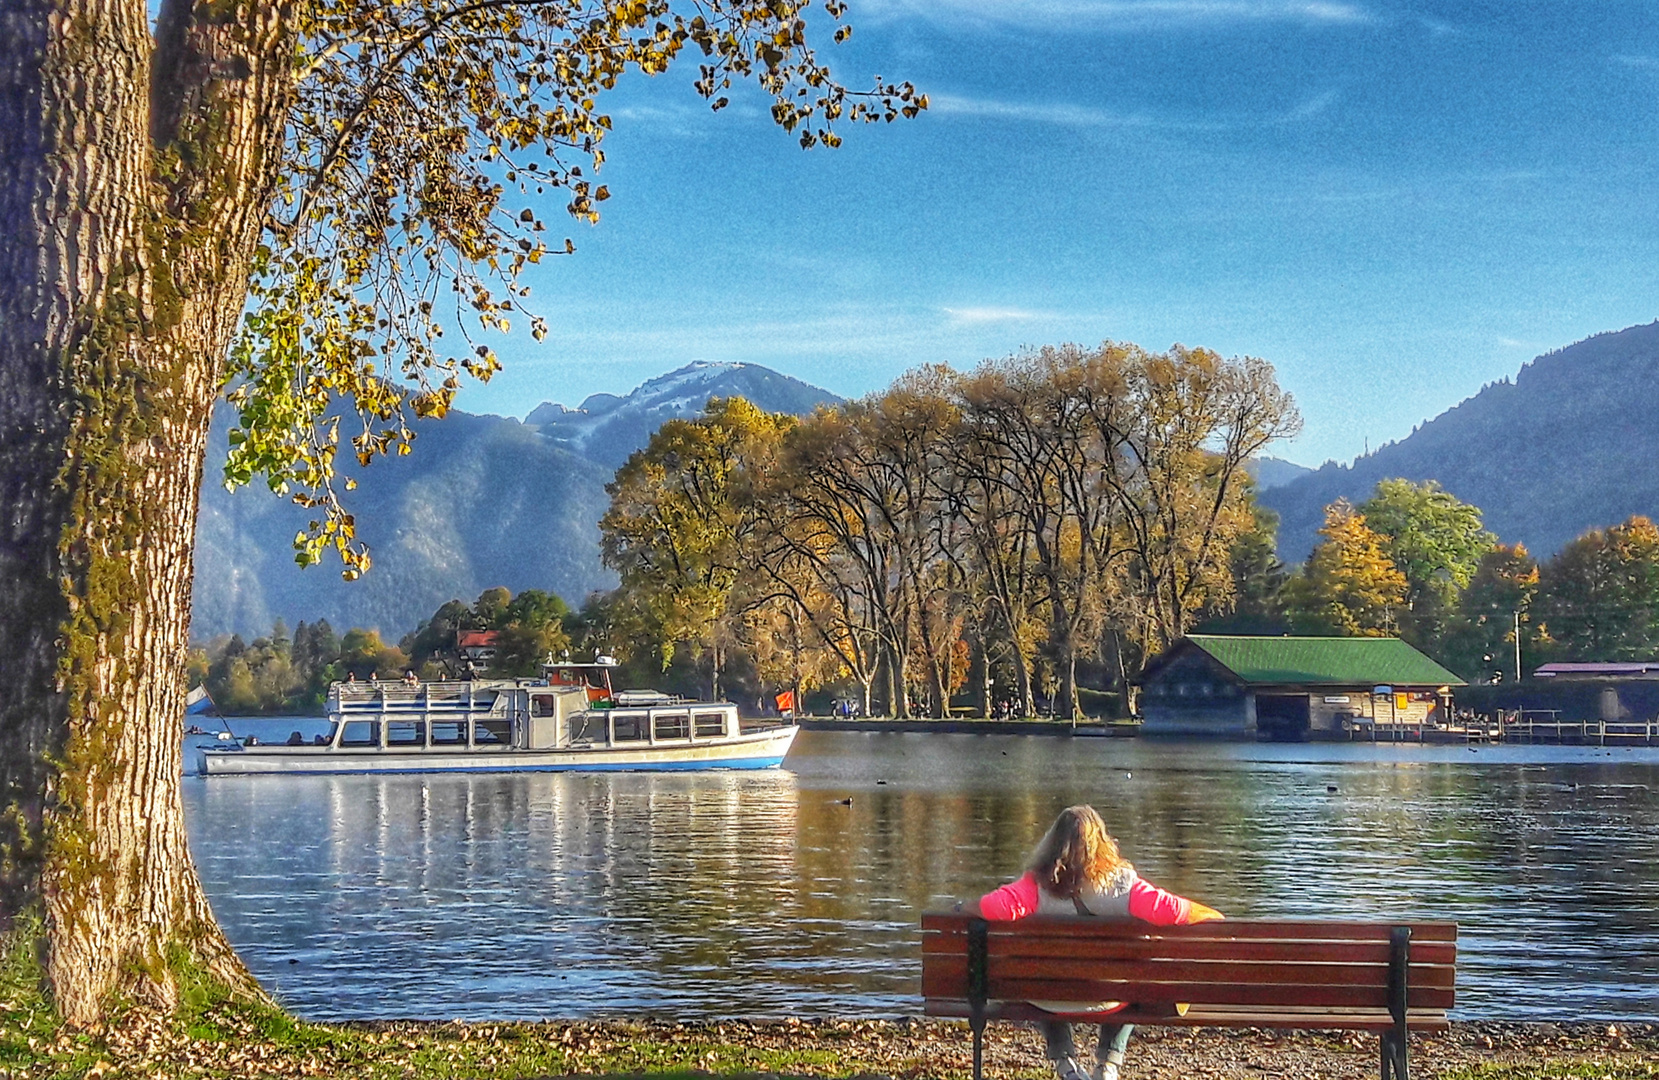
(748, 894)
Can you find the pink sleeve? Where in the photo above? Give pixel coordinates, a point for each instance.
(1015, 900)
(1151, 904)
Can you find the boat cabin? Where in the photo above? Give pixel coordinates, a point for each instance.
(571, 714)
(595, 678)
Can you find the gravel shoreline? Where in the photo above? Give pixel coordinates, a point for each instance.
(918, 1049)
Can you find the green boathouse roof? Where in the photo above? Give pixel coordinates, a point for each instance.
(1324, 661)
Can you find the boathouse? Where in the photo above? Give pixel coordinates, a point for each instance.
(1291, 687)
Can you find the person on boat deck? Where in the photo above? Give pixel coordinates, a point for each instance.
(411, 678)
(1077, 869)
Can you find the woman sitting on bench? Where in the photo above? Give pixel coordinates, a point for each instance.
(1077, 870)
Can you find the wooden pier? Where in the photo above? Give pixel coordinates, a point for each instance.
(1527, 726)
(1524, 726)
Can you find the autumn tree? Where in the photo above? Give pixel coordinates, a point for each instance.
(910, 430)
(827, 544)
(530, 631)
(1046, 427)
(321, 203)
(1256, 602)
(1193, 419)
(364, 655)
(680, 522)
(1599, 595)
(1348, 587)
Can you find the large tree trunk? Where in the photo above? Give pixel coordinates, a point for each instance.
(122, 275)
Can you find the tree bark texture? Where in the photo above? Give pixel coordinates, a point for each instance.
(135, 173)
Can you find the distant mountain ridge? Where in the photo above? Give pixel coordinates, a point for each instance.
(482, 501)
(1272, 472)
(1570, 444)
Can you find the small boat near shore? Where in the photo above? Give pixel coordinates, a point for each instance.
(569, 720)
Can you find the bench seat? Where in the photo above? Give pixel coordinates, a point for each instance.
(1385, 977)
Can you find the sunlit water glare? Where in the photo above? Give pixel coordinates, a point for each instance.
(686, 895)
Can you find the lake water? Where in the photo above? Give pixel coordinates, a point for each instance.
(685, 895)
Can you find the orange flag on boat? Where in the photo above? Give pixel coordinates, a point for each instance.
(786, 701)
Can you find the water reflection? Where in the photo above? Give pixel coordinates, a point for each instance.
(725, 894)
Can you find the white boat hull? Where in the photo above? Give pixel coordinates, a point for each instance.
(754, 750)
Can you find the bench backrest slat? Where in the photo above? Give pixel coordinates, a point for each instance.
(1245, 963)
(1194, 993)
(1301, 930)
(1304, 973)
(1126, 948)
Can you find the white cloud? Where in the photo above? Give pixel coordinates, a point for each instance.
(1062, 114)
(1637, 61)
(1311, 107)
(974, 316)
(1065, 114)
(1124, 14)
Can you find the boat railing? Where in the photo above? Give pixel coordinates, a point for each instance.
(434, 698)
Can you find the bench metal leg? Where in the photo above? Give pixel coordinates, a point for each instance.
(979, 962)
(1394, 1058)
(1396, 1043)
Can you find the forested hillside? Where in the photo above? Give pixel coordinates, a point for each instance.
(483, 501)
(1570, 444)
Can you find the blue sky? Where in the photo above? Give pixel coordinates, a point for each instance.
(1393, 201)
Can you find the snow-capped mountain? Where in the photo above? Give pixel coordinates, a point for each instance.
(483, 501)
(606, 428)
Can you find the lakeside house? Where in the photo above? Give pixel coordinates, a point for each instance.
(476, 649)
(1291, 687)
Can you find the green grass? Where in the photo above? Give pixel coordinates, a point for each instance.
(1581, 1070)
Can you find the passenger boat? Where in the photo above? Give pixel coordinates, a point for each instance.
(570, 719)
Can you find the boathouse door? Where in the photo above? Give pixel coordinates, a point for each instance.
(1282, 717)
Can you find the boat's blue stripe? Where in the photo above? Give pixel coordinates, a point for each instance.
(655, 766)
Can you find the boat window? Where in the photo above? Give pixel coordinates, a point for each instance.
(541, 705)
(586, 727)
(405, 733)
(710, 725)
(361, 733)
(494, 732)
(628, 727)
(673, 725)
(449, 733)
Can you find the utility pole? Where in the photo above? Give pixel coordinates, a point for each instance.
(1517, 645)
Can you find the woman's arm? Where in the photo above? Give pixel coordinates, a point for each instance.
(1151, 904)
(1015, 900)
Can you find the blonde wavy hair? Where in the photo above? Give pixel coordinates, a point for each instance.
(1076, 850)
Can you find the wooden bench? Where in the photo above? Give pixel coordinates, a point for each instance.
(1391, 978)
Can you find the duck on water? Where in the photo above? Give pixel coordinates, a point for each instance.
(569, 719)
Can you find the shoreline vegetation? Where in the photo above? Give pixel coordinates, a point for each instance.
(970, 725)
(223, 1041)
